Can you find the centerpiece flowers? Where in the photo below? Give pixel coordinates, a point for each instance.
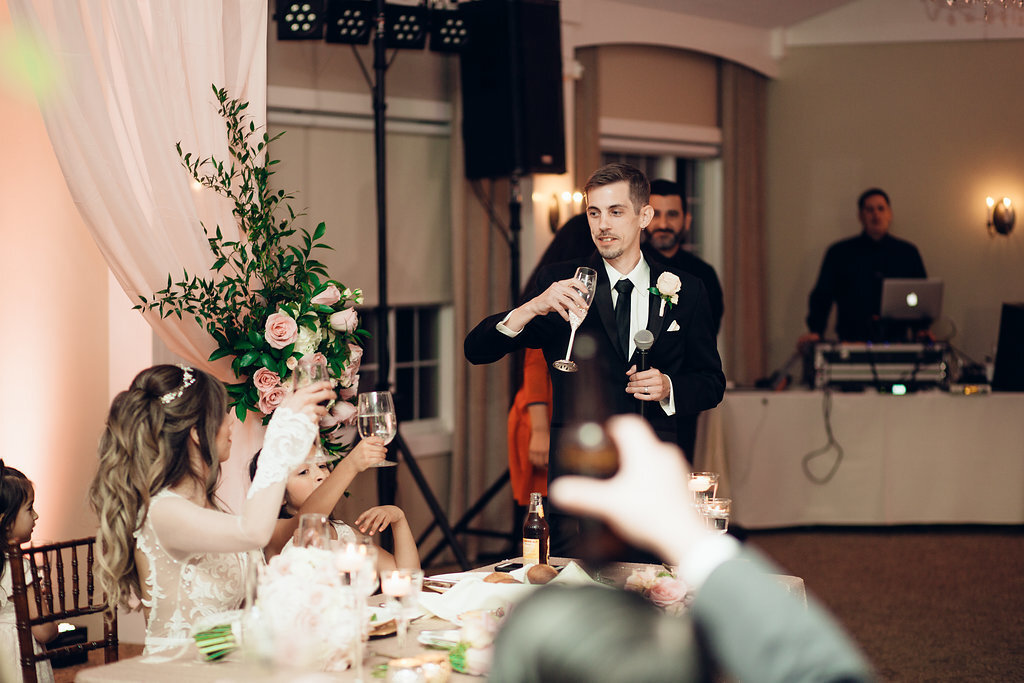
(267, 301)
(661, 587)
(306, 616)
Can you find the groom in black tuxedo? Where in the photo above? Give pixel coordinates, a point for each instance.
(684, 371)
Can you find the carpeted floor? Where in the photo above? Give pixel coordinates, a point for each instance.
(925, 603)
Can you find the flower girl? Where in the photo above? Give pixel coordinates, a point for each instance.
(316, 488)
(17, 518)
(163, 535)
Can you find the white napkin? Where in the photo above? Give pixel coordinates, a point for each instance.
(473, 593)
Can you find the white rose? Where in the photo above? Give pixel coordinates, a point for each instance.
(669, 285)
(308, 339)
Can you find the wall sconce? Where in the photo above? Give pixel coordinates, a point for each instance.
(1000, 215)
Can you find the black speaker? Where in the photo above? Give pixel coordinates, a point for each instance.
(511, 70)
(1008, 374)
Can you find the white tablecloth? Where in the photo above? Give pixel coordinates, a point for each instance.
(927, 458)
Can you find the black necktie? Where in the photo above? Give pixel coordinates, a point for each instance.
(624, 287)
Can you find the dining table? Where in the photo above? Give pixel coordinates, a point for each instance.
(236, 667)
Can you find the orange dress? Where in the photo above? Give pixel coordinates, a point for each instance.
(536, 389)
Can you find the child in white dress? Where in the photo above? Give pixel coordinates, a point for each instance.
(163, 535)
(17, 518)
(316, 488)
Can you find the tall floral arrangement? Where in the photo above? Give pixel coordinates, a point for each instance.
(266, 301)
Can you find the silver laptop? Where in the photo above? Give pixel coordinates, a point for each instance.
(911, 299)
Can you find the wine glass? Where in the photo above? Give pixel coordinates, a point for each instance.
(375, 415)
(588, 277)
(357, 566)
(402, 588)
(309, 370)
(314, 531)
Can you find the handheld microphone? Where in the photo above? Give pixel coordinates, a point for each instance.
(643, 339)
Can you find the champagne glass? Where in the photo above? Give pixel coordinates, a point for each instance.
(402, 588)
(375, 414)
(309, 370)
(587, 276)
(314, 531)
(357, 567)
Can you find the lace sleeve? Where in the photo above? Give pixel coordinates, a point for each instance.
(286, 444)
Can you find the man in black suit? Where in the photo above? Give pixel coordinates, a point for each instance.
(669, 230)
(684, 372)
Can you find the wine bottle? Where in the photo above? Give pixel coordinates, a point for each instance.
(536, 533)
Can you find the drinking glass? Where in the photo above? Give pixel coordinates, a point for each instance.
(588, 277)
(703, 485)
(314, 531)
(357, 566)
(310, 370)
(402, 588)
(716, 514)
(375, 415)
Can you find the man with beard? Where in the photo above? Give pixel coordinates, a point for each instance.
(668, 232)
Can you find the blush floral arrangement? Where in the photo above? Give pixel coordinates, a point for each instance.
(661, 587)
(305, 615)
(267, 301)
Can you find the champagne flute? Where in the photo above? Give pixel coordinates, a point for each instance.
(375, 415)
(587, 276)
(309, 370)
(402, 588)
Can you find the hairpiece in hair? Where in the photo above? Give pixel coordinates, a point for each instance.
(187, 380)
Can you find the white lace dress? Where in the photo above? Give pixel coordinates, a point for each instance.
(197, 557)
(184, 591)
(10, 653)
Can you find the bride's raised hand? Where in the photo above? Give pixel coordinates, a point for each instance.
(310, 400)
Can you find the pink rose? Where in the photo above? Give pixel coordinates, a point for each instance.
(642, 578)
(344, 321)
(351, 390)
(345, 412)
(328, 297)
(271, 399)
(666, 591)
(281, 330)
(265, 379)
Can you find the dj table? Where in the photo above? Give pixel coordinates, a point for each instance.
(924, 458)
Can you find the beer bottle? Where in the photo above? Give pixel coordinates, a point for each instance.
(536, 533)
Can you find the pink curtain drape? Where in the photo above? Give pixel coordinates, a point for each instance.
(131, 79)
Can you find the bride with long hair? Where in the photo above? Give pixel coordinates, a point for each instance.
(164, 536)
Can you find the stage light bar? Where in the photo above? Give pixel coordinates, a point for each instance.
(348, 21)
(405, 27)
(448, 30)
(299, 19)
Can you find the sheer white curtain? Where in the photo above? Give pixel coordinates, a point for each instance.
(133, 77)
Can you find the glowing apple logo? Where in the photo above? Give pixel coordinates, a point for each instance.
(912, 299)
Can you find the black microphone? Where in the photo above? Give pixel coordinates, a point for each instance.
(643, 339)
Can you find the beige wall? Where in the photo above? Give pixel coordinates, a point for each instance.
(54, 307)
(633, 85)
(935, 125)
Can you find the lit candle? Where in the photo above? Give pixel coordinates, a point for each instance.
(351, 558)
(395, 585)
(700, 483)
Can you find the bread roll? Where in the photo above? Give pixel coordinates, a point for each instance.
(499, 577)
(540, 573)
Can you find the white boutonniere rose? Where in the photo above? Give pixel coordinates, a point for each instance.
(668, 289)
